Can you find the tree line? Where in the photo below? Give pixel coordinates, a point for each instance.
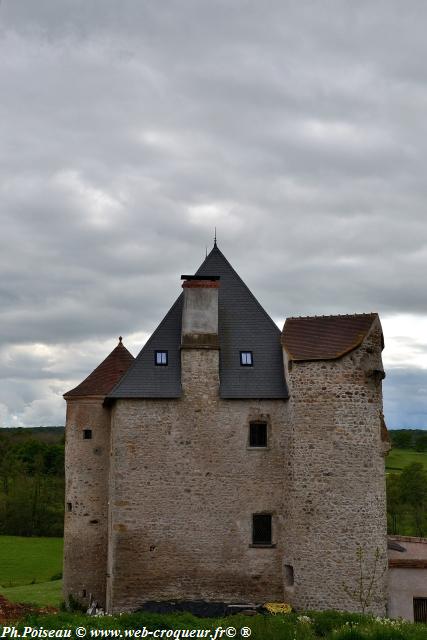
(31, 485)
(415, 439)
(407, 501)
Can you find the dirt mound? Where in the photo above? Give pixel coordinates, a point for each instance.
(14, 611)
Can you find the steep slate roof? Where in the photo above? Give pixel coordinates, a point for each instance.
(243, 326)
(325, 337)
(106, 375)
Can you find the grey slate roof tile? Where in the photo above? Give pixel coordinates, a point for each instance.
(243, 326)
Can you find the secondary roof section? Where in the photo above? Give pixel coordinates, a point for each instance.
(325, 337)
(106, 375)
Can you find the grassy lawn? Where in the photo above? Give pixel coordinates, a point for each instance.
(27, 560)
(399, 458)
(41, 593)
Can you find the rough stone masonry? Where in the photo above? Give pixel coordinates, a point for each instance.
(229, 462)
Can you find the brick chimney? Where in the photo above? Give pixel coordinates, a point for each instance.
(200, 312)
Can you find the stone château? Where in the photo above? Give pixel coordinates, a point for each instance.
(229, 461)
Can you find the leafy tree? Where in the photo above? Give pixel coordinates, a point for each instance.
(395, 506)
(421, 442)
(413, 484)
(7, 464)
(401, 438)
(31, 485)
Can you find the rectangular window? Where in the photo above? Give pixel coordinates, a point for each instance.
(161, 358)
(289, 575)
(87, 434)
(246, 359)
(69, 506)
(261, 529)
(258, 434)
(420, 610)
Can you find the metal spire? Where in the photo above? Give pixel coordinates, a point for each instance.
(215, 238)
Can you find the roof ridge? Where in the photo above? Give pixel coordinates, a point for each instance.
(334, 315)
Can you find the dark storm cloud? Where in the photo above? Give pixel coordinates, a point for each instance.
(129, 130)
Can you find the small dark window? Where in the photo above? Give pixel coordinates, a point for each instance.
(261, 528)
(84, 593)
(289, 575)
(87, 434)
(69, 506)
(161, 358)
(246, 359)
(420, 610)
(257, 434)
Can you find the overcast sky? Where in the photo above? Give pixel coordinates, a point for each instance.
(130, 128)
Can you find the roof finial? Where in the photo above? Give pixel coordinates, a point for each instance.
(206, 252)
(120, 339)
(215, 238)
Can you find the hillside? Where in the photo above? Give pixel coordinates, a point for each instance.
(31, 569)
(397, 459)
(44, 434)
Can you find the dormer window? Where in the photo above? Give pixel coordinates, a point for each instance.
(246, 359)
(161, 358)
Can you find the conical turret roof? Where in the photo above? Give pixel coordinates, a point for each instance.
(106, 375)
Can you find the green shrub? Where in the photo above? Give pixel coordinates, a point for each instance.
(326, 621)
(349, 633)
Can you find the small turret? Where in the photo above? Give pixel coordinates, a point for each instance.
(87, 453)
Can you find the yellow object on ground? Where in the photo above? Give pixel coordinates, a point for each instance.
(278, 607)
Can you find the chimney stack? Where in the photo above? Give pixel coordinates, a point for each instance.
(200, 312)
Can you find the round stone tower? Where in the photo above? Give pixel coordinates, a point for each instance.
(87, 455)
(336, 542)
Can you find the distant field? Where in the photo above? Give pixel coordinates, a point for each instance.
(28, 560)
(399, 458)
(42, 593)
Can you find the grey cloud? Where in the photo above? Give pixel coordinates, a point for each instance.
(129, 130)
(405, 398)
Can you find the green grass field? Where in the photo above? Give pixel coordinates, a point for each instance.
(399, 458)
(27, 566)
(41, 593)
(27, 560)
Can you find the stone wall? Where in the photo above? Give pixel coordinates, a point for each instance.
(183, 488)
(183, 485)
(86, 473)
(337, 493)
